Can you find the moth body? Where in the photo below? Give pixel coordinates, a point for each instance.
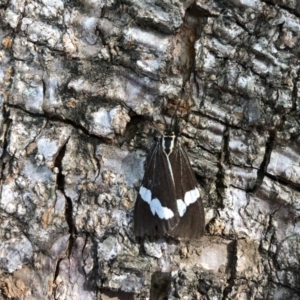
(168, 202)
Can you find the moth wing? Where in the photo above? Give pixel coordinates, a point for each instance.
(155, 211)
(190, 207)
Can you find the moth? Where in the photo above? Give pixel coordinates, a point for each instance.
(169, 202)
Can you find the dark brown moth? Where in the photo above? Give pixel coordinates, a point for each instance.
(169, 202)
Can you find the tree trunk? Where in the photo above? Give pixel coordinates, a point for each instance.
(83, 87)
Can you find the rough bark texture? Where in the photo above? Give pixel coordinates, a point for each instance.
(82, 86)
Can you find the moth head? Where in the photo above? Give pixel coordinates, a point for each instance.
(169, 133)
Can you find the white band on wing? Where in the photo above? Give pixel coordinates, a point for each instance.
(189, 198)
(181, 206)
(155, 205)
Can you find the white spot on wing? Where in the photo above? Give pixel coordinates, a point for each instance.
(191, 196)
(181, 207)
(155, 205)
(162, 212)
(145, 194)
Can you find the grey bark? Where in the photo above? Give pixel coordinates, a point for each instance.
(82, 88)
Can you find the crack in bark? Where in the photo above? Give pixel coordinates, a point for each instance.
(202, 114)
(56, 271)
(5, 130)
(223, 159)
(294, 290)
(60, 182)
(69, 205)
(58, 118)
(232, 264)
(98, 162)
(225, 155)
(261, 172)
(294, 186)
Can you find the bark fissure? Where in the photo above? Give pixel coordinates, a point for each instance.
(4, 142)
(261, 172)
(232, 265)
(69, 205)
(58, 118)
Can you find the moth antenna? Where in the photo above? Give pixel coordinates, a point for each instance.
(180, 132)
(174, 115)
(163, 115)
(177, 107)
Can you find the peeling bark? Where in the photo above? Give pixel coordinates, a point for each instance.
(82, 89)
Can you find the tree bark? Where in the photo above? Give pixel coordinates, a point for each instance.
(83, 86)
